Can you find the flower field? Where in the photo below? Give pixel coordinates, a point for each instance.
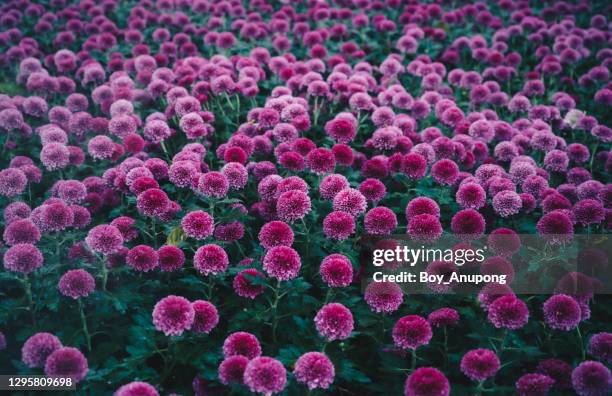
(186, 186)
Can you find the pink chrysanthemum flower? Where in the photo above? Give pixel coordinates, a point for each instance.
(265, 375)
(210, 259)
(173, 315)
(411, 331)
(241, 344)
(384, 296)
(334, 322)
(206, 316)
(282, 263)
(315, 370)
(231, 370)
(76, 283)
(66, 362)
(38, 347)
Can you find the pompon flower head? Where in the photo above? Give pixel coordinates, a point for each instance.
(12, 182)
(315, 370)
(422, 205)
(424, 228)
(468, 224)
(275, 233)
(136, 388)
(410, 332)
(336, 270)
(210, 259)
(76, 283)
(558, 370)
(244, 284)
(21, 231)
(562, 312)
(265, 375)
(600, 346)
(426, 381)
(534, 384)
(170, 257)
(480, 364)
(198, 224)
(293, 205)
(443, 317)
(241, 343)
(384, 297)
(104, 239)
(504, 241)
(350, 201)
(206, 316)
(231, 370)
(445, 172)
(591, 378)
(66, 362)
(38, 347)
(331, 185)
(172, 315)
(152, 202)
(282, 263)
(334, 322)
(23, 258)
(142, 258)
(338, 225)
(380, 221)
(213, 184)
(508, 312)
(471, 196)
(556, 227)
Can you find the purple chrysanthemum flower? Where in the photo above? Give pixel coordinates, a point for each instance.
(265, 375)
(76, 283)
(275, 233)
(142, 258)
(338, 225)
(23, 258)
(206, 316)
(241, 343)
(136, 388)
(282, 263)
(244, 284)
(384, 296)
(600, 346)
(66, 362)
(562, 312)
(231, 370)
(315, 370)
(443, 317)
(426, 381)
(380, 221)
(592, 379)
(292, 205)
(411, 331)
(480, 364)
(508, 312)
(173, 315)
(210, 259)
(336, 270)
(198, 224)
(534, 385)
(334, 322)
(38, 347)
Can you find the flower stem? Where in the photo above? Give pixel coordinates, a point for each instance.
(414, 360)
(27, 286)
(581, 343)
(84, 324)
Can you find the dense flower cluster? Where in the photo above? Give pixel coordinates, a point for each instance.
(198, 176)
